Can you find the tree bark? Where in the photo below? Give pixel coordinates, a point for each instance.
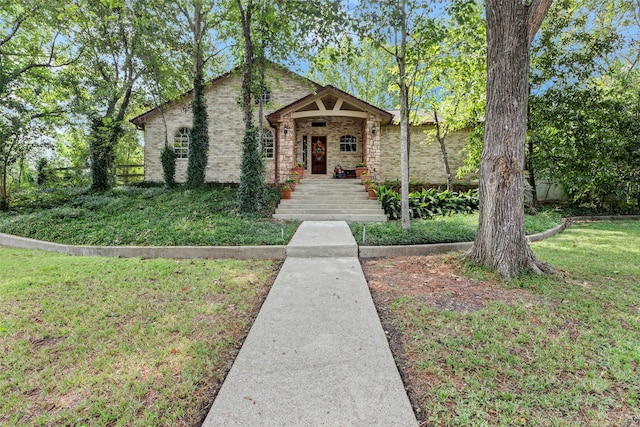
(404, 121)
(501, 242)
(441, 136)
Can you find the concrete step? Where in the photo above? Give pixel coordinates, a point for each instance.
(365, 203)
(333, 217)
(318, 210)
(330, 200)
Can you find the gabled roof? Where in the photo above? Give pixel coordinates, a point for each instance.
(142, 118)
(308, 105)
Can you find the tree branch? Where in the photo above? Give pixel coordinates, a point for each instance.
(14, 30)
(536, 12)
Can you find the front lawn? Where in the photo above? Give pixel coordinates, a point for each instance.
(98, 341)
(559, 350)
(145, 217)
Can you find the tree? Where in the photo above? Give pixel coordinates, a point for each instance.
(198, 15)
(584, 100)
(280, 30)
(113, 37)
(501, 241)
(400, 28)
(361, 69)
(452, 85)
(30, 51)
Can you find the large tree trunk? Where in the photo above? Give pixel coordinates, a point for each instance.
(501, 242)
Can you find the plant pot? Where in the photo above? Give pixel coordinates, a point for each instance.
(364, 177)
(285, 194)
(373, 194)
(366, 186)
(360, 171)
(296, 177)
(300, 171)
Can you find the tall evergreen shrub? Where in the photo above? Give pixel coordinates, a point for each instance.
(199, 145)
(251, 193)
(168, 160)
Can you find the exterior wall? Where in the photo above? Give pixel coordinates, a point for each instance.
(336, 127)
(226, 128)
(425, 158)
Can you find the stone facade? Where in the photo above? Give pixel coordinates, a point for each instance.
(226, 128)
(295, 104)
(426, 163)
(335, 128)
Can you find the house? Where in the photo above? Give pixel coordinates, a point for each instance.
(303, 122)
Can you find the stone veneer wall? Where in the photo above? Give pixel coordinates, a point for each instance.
(425, 158)
(226, 128)
(336, 127)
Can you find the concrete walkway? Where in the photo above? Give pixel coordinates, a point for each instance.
(316, 354)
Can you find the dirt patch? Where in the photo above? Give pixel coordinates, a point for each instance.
(435, 281)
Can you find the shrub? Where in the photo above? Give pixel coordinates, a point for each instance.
(428, 203)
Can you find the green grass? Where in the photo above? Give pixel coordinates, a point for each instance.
(570, 358)
(143, 216)
(97, 341)
(441, 229)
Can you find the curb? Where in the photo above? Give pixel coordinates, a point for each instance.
(177, 252)
(441, 248)
(278, 252)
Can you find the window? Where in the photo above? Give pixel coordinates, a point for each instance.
(318, 124)
(348, 144)
(267, 144)
(181, 141)
(265, 96)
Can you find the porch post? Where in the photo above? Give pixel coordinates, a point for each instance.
(372, 149)
(287, 154)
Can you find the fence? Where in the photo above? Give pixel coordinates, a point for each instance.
(125, 174)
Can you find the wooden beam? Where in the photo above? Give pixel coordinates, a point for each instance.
(330, 113)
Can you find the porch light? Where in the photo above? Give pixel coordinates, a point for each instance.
(286, 130)
(373, 129)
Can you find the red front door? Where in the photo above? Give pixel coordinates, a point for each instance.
(319, 155)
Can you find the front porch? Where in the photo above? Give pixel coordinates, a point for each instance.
(327, 129)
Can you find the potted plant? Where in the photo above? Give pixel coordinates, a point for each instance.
(298, 168)
(285, 192)
(360, 169)
(295, 176)
(291, 183)
(367, 183)
(373, 192)
(365, 176)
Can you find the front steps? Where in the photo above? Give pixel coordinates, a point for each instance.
(330, 200)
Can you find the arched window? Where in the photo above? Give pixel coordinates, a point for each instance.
(181, 141)
(267, 143)
(348, 144)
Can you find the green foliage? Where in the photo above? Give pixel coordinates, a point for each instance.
(428, 203)
(42, 171)
(105, 133)
(251, 194)
(168, 160)
(588, 142)
(363, 70)
(199, 145)
(441, 229)
(584, 102)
